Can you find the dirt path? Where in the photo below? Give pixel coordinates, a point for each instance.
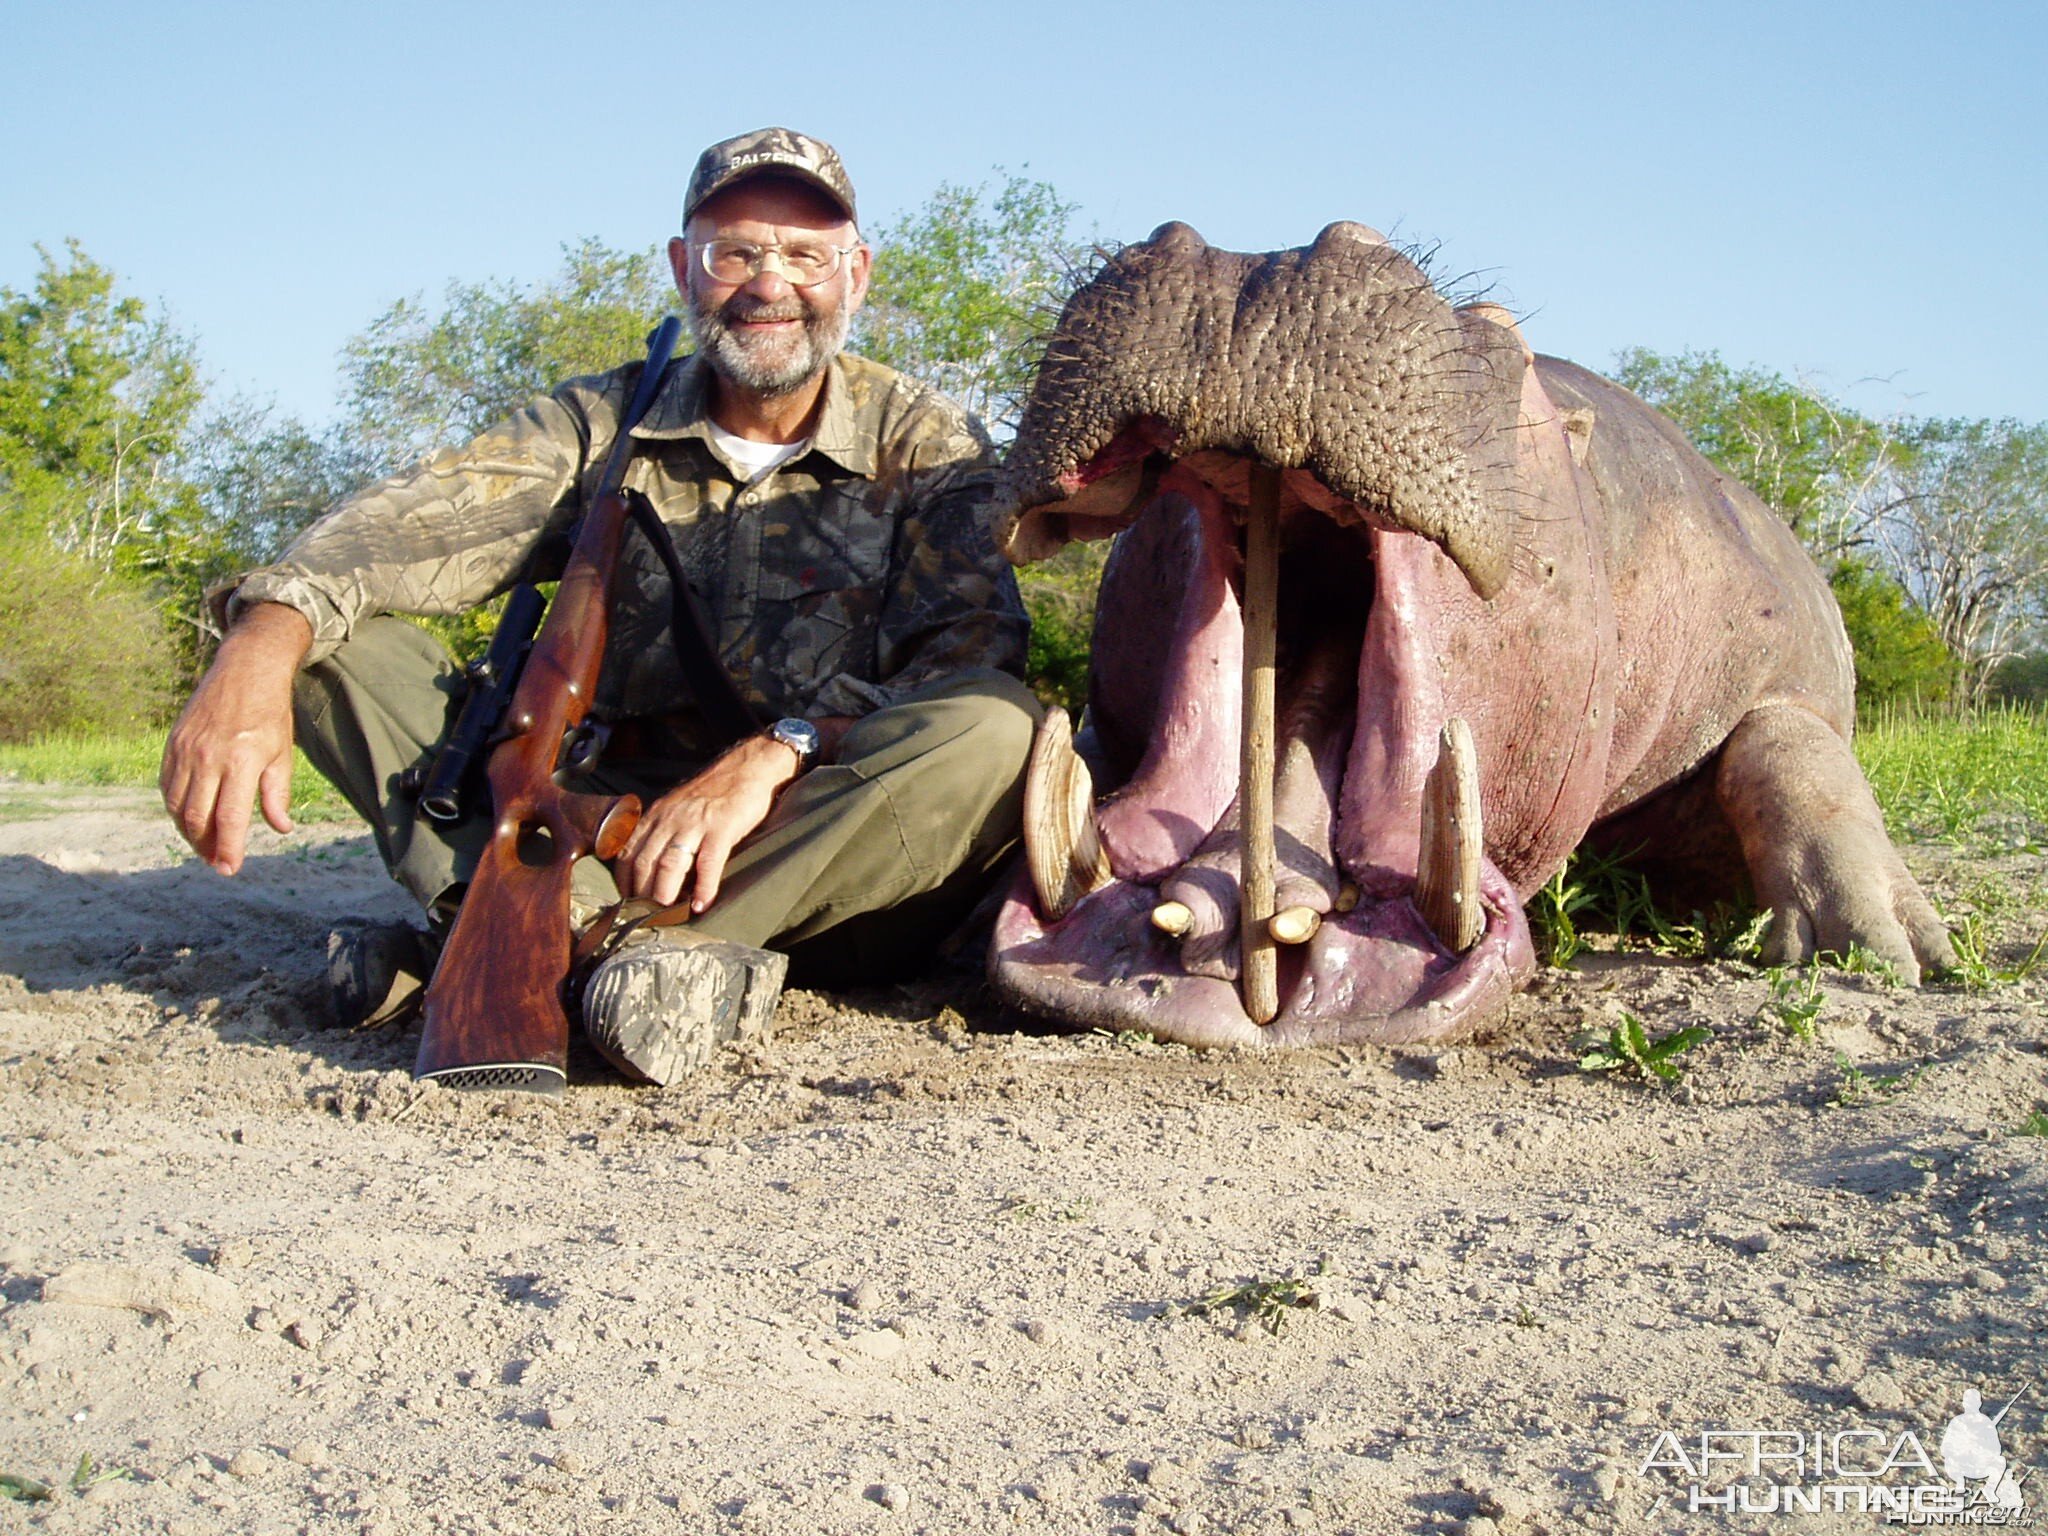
(900, 1272)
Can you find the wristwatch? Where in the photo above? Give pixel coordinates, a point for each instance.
(801, 737)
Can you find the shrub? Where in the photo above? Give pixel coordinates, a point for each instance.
(80, 650)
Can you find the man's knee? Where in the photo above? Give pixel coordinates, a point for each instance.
(982, 720)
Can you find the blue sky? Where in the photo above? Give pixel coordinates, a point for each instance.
(1844, 192)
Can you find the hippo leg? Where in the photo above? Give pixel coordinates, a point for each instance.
(1816, 847)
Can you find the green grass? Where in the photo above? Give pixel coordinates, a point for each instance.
(1979, 781)
(1628, 1048)
(129, 761)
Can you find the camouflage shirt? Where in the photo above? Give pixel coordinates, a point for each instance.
(836, 582)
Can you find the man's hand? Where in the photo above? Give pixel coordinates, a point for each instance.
(234, 740)
(696, 826)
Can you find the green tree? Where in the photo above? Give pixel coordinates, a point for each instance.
(96, 400)
(965, 286)
(1899, 653)
(96, 396)
(1968, 536)
(420, 378)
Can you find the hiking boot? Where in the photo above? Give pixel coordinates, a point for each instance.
(667, 999)
(377, 974)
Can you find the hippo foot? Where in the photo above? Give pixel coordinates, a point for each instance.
(1816, 847)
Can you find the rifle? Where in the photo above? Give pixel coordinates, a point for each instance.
(495, 1014)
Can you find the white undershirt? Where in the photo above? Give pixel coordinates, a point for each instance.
(753, 459)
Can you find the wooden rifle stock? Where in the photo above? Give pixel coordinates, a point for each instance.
(495, 1014)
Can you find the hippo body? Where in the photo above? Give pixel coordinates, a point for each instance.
(1469, 533)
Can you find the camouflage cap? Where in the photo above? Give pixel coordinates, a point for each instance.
(772, 152)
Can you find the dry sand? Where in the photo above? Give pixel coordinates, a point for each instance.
(905, 1270)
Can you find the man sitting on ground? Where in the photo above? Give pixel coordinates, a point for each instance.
(830, 516)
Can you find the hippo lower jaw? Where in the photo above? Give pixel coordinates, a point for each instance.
(1355, 795)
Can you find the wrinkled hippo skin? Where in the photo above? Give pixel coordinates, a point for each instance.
(1639, 646)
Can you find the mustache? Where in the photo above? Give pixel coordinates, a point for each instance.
(741, 308)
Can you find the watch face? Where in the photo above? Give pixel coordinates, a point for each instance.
(800, 736)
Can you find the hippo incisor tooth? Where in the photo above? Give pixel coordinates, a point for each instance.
(1294, 925)
(1347, 897)
(1447, 874)
(1060, 841)
(1172, 918)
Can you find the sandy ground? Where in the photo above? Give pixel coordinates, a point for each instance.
(904, 1269)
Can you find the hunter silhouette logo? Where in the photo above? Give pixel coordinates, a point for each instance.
(1858, 1469)
(1970, 1452)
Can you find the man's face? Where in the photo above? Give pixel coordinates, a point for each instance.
(765, 335)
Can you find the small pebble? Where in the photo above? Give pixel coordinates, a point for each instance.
(248, 1462)
(891, 1496)
(1879, 1393)
(875, 1344)
(310, 1453)
(865, 1297)
(231, 1253)
(1986, 1280)
(570, 1463)
(562, 1416)
(306, 1332)
(1038, 1331)
(1506, 1507)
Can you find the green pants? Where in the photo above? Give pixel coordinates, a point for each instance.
(867, 862)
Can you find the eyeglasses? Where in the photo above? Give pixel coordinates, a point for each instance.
(802, 263)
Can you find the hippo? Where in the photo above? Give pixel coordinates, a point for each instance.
(1398, 614)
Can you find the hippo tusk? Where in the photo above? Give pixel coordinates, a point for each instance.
(1060, 841)
(1294, 925)
(1172, 918)
(1260, 975)
(1347, 897)
(1447, 873)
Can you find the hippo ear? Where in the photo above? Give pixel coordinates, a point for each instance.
(1349, 232)
(1174, 238)
(1495, 314)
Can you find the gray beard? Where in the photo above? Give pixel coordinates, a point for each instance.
(768, 366)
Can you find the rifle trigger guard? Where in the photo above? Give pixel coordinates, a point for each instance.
(584, 746)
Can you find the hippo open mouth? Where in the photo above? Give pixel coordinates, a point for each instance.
(1313, 868)
(1399, 611)
(1382, 916)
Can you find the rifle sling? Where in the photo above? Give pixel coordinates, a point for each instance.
(724, 709)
